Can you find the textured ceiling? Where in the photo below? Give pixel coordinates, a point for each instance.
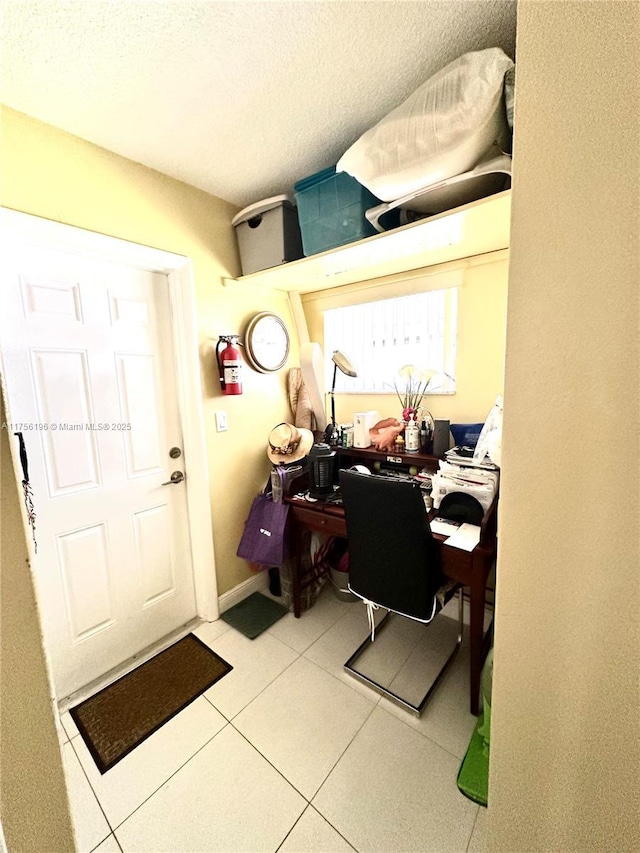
(238, 98)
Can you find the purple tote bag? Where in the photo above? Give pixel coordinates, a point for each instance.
(263, 540)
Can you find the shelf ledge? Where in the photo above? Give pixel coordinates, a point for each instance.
(474, 229)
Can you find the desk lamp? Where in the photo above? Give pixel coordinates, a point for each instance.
(341, 361)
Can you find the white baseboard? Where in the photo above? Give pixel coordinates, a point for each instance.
(260, 583)
(256, 583)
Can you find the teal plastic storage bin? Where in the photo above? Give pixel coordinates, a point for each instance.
(331, 208)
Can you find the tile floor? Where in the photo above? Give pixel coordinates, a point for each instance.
(288, 753)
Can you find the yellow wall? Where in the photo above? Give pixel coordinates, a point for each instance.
(33, 802)
(482, 309)
(57, 176)
(565, 711)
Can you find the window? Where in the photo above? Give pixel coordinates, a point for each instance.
(380, 337)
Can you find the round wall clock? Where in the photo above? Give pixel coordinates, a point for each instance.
(266, 342)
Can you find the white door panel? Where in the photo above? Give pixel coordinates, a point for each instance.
(62, 397)
(153, 551)
(89, 607)
(89, 365)
(45, 297)
(137, 394)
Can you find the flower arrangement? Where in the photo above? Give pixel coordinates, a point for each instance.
(411, 385)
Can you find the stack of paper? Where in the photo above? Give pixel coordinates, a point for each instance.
(474, 476)
(466, 537)
(468, 461)
(462, 474)
(461, 535)
(444, 526)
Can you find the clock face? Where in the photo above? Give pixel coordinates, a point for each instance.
(267, 342)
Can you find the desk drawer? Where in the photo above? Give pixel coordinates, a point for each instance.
(466, 566)
(456, 564)
(320, 521)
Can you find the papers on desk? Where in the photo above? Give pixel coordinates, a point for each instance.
(466, 537)
(469, 462)
(480, 482)
(444, 526)
(463, 536)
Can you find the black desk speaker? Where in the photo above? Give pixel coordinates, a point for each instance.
(441, 438)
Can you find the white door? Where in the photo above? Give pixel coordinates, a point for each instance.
(90, 375)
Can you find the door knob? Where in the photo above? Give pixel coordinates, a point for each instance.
(176, 477)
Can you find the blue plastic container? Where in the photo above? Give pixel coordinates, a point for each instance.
(466, 434)
(331, 208)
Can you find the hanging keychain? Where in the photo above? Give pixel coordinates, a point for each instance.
(26, 488)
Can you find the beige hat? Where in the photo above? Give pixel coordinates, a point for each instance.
(288, 444)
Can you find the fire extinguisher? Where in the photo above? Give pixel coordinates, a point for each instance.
(229, 364)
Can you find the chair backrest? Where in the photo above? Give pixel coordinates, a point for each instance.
(393, 560)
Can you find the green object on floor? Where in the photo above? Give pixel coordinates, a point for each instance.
(473, 776)
(253, 615)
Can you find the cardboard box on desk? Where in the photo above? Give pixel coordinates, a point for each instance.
(362, 423)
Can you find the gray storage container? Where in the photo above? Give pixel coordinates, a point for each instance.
(268, 234)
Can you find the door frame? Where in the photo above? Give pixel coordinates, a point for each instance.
(23, 228)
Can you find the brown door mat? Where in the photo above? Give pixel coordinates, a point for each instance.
(127, 712)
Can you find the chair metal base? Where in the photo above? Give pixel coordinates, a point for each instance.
(404, 703)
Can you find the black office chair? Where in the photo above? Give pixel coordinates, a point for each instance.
(393, 562)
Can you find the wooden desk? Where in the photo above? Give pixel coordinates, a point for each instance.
(470, 568)
(371, 457)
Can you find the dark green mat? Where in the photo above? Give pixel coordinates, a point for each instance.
(254, 615)
(473, 776)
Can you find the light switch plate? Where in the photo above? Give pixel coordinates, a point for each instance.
(221, 422)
